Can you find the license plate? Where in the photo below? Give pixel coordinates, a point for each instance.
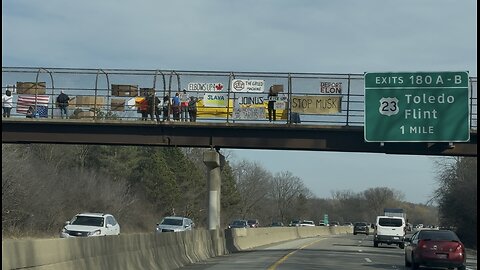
(396, 238)
(442, 256)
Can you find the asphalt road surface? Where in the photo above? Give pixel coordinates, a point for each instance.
(328, 253)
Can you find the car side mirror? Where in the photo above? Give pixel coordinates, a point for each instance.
(109, 225)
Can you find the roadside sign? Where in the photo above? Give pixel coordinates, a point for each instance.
(416, 107)
(325, 219)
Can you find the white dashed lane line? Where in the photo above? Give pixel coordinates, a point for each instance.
(368, 260)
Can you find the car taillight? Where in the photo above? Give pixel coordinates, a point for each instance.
(459, 248)
(422, 244)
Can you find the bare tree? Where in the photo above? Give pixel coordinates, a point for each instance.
(457, 197)
(349, 206)
(252, 184)
(285, 188)
(380, 197)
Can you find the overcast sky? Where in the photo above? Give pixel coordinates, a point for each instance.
(255, 35)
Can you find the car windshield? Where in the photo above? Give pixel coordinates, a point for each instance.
(438, 235)
(390, 222)
(172, 221)
(238, 222)
(88, 221)
(252, 221)
(360, 224)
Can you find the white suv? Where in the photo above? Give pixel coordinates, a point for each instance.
(90, 224)
(175, 224)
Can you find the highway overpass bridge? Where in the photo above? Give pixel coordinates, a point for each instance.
(232, 111)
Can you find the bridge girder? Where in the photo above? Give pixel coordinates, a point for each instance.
(220, 135)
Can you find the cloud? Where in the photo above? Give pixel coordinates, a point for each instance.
(293, 36)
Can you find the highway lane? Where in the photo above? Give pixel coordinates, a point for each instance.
(327, 252)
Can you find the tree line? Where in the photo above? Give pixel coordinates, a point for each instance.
(45, 185)
(456, 196)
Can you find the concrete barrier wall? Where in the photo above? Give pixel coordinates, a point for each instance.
(129, 251)
(146, 251)
(250, 238)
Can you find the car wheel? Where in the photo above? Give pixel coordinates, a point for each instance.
(415, 265)
(401, 245)
(354, 233)
(366, 234)
(407, 263)
(375, 243)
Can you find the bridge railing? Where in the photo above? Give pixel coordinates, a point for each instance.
(116, 94)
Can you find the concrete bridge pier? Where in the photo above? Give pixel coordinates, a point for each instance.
(211, 159)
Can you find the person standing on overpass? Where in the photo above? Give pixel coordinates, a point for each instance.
(184, 105)
(166, 108)
(7, 103)
(192, 109)
(271, 104)
(62, 103)
(176, 107)
(153, 102)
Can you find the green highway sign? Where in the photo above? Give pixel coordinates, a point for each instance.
(417, 107)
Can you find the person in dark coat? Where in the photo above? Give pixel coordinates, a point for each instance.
(153, 109)
(271, 105)
(192, 109)
(166, 108)
(62, 103)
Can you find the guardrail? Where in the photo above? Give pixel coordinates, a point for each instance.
(116, 94)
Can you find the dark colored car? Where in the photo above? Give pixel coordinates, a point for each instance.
(295, 223)
(253, 223)
(277, 224)
(239, 223)
(361, 227)
(435, 248)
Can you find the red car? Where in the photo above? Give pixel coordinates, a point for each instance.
(435, 248)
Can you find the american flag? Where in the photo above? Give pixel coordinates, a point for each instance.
(25, 101)
(42, 111)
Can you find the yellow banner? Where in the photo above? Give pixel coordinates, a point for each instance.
(209, 112)
(317, 104)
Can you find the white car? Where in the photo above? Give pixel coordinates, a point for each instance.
(175, 224)
(90, 224)
(307, 223)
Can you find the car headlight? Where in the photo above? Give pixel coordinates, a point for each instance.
(64, 230)
(94, 233)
